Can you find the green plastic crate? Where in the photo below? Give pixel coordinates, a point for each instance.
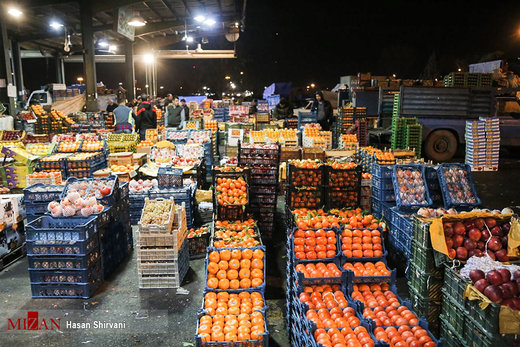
(427, 285)
(476, 336)
(451, 338)
(454, 313)
(421, 233)
(423, 259)
(424, 307)
(488, 318)
(454, 284)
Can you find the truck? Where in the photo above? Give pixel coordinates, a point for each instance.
(443, 112)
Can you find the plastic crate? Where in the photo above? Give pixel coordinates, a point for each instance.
(383, 183)
(94, 161)
(258, 155)
(454, 313)
(400, 202)
(373, 279)
(85, 275)
(423, 259)
(307, 281)
(181, 194)
(299, 177)
(429, 309)
(53, 163)
(57, 149)
(382, 171)
(342, 198)
(454, 284)
(356, 259)
(448, 333)
(425, 284)
(323, 260)
(343, 178)
(448, 188)
(49, 248)
(47, 228)
(62, 262)
(263, 199)
(376, 207)
(198, 245)
(421, 233)
(383, 195)
(312, 199)
(42, 193)
(488, 317)
(169, 177)
(106, 200)
(36, 208)
(477, 336)
(65, 291)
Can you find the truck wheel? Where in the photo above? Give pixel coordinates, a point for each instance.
(441, 145)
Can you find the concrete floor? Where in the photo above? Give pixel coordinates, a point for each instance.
(162, 317)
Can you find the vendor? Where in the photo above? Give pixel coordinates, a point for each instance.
(124, 118)
(173, 116)
(146, 117)
(185, 114)
(111, 106)
(324, 110)
(283, 110)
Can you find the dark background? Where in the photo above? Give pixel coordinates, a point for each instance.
(317, 42)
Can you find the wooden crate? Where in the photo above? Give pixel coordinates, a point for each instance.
(139, 158)
(290, 153)
(313, 153)
(122, 158)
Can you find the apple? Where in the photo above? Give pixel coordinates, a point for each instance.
(490, 222)
(479, 223)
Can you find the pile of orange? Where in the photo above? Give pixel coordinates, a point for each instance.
(145, 143)
(231, 191)
(234, 225)
(319, 244)
(242, 327)
(68, 146)
(92, 145)
(327, 299)
(368, 269)
(227, 234)
(316, 219)
(230, 303)
(321, 288)
(373, 298)
(404, 336)
(306, 175)
(234, 269)
(357, 337)
(333, 318)
(306, 163)
(391, 316)
(359, 243)
(385, 158)
(238, 241)
(312, 270)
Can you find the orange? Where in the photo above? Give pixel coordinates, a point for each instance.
(225, 255)
(244, 273)
(258, 254)
(232, 274)
(221, 274)
(247, 254)
(245, 283)
(256, 282)
(234, 284)
(213, 268)
(245, 263)
(236, 254)
(257, 264)
(234, 264)
(223, 265)
(214, 257)
(223, 283)
(212, 283)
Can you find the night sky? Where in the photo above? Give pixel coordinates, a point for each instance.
(317, 42)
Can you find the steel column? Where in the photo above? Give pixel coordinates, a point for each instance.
(18, 72)
(89, 63)
(129, 71)
(6, 76)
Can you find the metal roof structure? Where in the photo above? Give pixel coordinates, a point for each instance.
(166, 20)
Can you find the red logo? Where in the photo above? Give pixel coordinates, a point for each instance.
(32, 322)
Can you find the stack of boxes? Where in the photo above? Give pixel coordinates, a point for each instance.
(15, 175)
(263, 162)
(492, 129)
(366, 192)
(475, 136)
(162, 251)
(413, 138)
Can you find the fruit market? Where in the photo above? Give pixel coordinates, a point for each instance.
(380, 212)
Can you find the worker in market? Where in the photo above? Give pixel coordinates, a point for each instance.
(173, 116)
(146, 117)
(111, 106)
(124, 118)
(323, 108)
(185, 114)
(282, 110)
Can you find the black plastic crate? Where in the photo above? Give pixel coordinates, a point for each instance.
(299, 177)
(198, 245)
(421, 232)
(454, 283)
(427, 285)
(448, 333)
(343, 178)
(62, 262)
(49, 248)
(423, 259)
(454, 313)
(342, 198)
(66, 291)
(47, 228)
(312, 198)
(231, 212)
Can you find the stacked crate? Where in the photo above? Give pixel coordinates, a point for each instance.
(383, 197)
(37, 198)
(475, 136)
(492, 129)
(343, 187)
(405, 130)
(163, 251)
(366, 191)
(432, 182)
(397, 102)
(362, 131)
(263, 163)
(184, 194)
(305, 187)
(413, 138)
(467, 79)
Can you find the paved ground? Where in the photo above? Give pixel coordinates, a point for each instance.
(162, 317)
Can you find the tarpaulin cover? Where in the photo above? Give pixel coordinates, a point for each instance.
(197, 99)
(281, 88)
(487, 67)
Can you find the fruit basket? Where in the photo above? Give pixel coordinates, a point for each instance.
(84, 160)
(198, 240)
(169, 177)
(55, 161)
(339, 198)
(457, 186)
(306, 174)
(93, 146)
(105, 189)
(344, 176)
(410, 186)
(308, 198)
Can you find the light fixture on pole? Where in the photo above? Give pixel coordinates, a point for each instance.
(137, 21)
(199, 18)
(210, 22)
(14, 12)
(55, 25)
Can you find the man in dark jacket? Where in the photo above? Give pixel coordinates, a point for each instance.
(186, 115)
(324, 110)
(111, 106)
(283, 110)
(146, 117)
(173, 114)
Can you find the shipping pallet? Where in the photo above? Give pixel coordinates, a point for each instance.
(13, 256)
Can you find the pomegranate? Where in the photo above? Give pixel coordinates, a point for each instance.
(452, 253)
(511, 286)
(470, 244)
(481, 245)
(490, 222)
(516, 302)
(505, 273)
(494, 293)
(485, 235)
(494, 243)
(491, 254)
(474, 234)
(449, 243)
(459, 228)
(501, 255)
(476, 275)
(479, 223)
(494, 277)
(462, 253)
(457, 241)
(496, 231)
(468, 224)
(516, 276)
(481, 285)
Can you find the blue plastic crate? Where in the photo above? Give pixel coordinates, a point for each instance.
(63, 262)
(376, 207)
(50, 248)
(402, 205)
(169, 177)
(372, 279)
(35, 193)
(85, 275)
(36, 208)
(386, 212)
(383, 183)
(468, 184)
(89, 163)
(382, 171)
(107, 200)
(181, 194)
(356, 259)
(65, 291)
(383, 195)
(402, 221)
(47, 228)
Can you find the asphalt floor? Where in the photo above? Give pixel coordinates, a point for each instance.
(168, 317)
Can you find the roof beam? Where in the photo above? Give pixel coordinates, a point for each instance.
(186, 7)
(156, 27)
(41, 3)
(151, 9)
(103, 5)
(170, 7)
(51, 35)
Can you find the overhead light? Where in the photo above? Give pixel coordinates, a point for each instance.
(55, 25)
(137, 21)
(146, 86)
(241, 72)
(228, 77)
(210, 21)
(80, 79)
(200, 18)
(112, 48)
(161, 87)
(148, 58)
(103, 44)
(15, 12)
(237, 24)
(189, 39)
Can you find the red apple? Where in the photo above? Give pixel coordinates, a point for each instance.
(490, 222)
(474, 234)
(494, 243)
(462, 253)
(479, 223)
(470, 244)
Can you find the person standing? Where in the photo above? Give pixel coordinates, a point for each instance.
(173, 116)
(124, 119)
(185, 114)
(146, 117)
(324, 110)
(111, 106)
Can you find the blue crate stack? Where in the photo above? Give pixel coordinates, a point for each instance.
(383, 197)
(37, 197)
(221, 114)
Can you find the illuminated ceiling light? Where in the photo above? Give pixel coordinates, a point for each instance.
(137, 21)
(112, 48)
(228, 77)
(210, 21)
(14, 12)
(80, 79)
(393, 75)
(55, 25)
(241, 72)
(459, 70)
(161, 87)
(189, 39)
(313, 85)
(200, 18)
(103, 44)
(148, 58)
